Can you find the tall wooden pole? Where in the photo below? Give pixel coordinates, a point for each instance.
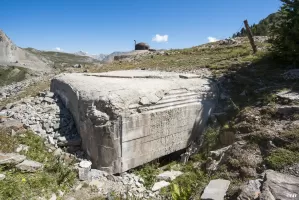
(250, 36)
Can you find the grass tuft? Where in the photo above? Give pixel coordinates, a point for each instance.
(55, 175)
(280, 158)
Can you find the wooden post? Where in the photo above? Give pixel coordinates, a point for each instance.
(250, 36)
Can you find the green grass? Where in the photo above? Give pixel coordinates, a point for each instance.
(61, 57)
(280, 158)
(148, 172)
(211, 140)
(12, 74)
(192, 181)
(55, 175)
(7, 143)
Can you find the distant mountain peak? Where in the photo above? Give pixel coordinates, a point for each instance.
(81, 53)
(99, 57)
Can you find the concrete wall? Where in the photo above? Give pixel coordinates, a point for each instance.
(125, 126)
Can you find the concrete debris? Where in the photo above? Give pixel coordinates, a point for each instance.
(169, 175)
(216, 190)
(157, 186)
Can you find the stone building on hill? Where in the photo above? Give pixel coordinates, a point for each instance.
(141, 46)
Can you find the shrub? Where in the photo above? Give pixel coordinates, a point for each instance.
(148, 172)
(285, 32)
(210, 140)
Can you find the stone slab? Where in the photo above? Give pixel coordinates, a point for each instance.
(11, 158)
(29, 166)
(159, 185)
(216, 190)
(169, 175)
(280, 186)
(128, 118)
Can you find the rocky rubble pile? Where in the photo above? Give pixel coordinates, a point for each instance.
(15, 88)
(126, 185)
(47, 117)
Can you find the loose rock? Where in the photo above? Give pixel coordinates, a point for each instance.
(29, 166)
(11, 158)
(251, 190)
(2, 177)
(169, 175)
(85, 164)
(22, 147)
(279, 186)
(157, 186)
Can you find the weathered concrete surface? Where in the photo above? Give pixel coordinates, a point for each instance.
(128, 118)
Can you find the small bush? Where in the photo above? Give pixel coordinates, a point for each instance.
(148, 172)
(12, 74)
(285, 32)
(210, 140)
(184, 186)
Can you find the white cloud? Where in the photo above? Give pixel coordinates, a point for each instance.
(160, 38)
(58, 49)
(212, 39)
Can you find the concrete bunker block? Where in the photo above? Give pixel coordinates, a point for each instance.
(128, 118)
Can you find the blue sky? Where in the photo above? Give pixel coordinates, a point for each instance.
(98, 26)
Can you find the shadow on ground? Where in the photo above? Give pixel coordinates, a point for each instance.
(254, 85)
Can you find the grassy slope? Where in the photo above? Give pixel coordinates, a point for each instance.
(61, 57)
(213, 56)
(12, 74)
(55, 176)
